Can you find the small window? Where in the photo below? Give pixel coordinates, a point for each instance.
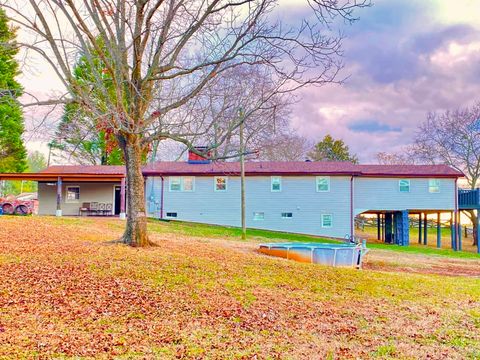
(220, 183)
(323, 183)
(171, 214)
(276, 183)
(73, 194)
(327, 220)
(188, 183)
(175, 184)
(404, 185)
(258, 216)
(287, 215)
(434, 186)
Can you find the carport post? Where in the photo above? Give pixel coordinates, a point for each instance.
(59, 197)
(419, 228)
(478, 230)
(425, 229)
(439, 231)
(378, 226)
(122, 199)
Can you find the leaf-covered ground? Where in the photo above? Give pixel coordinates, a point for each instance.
(66, 291)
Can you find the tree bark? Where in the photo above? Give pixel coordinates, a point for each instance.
(136, 230)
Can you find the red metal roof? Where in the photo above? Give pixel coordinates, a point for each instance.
(255, 168)
(85, 169)
(299, 168)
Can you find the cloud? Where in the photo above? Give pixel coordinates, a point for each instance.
(372, 126)
(397, 73)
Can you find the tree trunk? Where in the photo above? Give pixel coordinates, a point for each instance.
(473, 218)
(136, 231)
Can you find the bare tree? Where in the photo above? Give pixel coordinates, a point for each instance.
(406, 156)
(157, 57)
(286, 147)
(453, 138)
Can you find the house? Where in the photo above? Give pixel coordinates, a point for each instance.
(318, 198)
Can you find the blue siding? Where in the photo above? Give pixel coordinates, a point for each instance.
(384, 194)
(298, 196)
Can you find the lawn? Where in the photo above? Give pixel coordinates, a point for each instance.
(67, 291)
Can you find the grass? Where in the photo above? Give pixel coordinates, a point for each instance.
(66, 291)
(256, 235)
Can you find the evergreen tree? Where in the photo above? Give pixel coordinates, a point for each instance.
(330, 149)
(12, 149)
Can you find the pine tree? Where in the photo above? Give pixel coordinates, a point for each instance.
(330, 149)
(12, 150)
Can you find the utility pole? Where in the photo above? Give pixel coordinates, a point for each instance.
(242, 174)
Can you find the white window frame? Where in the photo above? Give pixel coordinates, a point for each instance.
(286, 217)
(323, 221)
(430, 186)
(215, 183)
(279, 178)
(258, 219)
(181, 180)
(170, 182)
(193, 183)
(75, 201)
(317, 181)
(400, 185)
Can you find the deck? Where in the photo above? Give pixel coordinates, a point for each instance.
(468, 199)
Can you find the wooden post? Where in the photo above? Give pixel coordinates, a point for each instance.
(478, 231)
(242, 178)
(122, 199)
(459, 247)
(425, 229)
(452, 229)
(419, 228)
(59, 197)
(439, 232)
(383, 227)
(378, 226)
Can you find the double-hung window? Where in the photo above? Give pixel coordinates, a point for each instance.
(327, 220)
(323, 183)
(433, 186)
(276, 184)
(220, 183)
(404, 185)
(72, 194)
(179, 183)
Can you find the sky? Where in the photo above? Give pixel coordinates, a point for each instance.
(403, 58)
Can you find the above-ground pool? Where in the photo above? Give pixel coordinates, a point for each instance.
(318, 253)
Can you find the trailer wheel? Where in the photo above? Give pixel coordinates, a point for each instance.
(21, 210)
(8, 209)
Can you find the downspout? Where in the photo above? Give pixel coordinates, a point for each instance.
(352, 217)
(161, 198)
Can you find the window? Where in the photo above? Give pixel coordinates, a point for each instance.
(73, 194)
(287, 215)
(276, 183)
(404, 185)
(433, 185)
(175, 184)
(323, 183)
(258, 216)
(327, 220)
(220, 183)
(171, 214)
(186, 183)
